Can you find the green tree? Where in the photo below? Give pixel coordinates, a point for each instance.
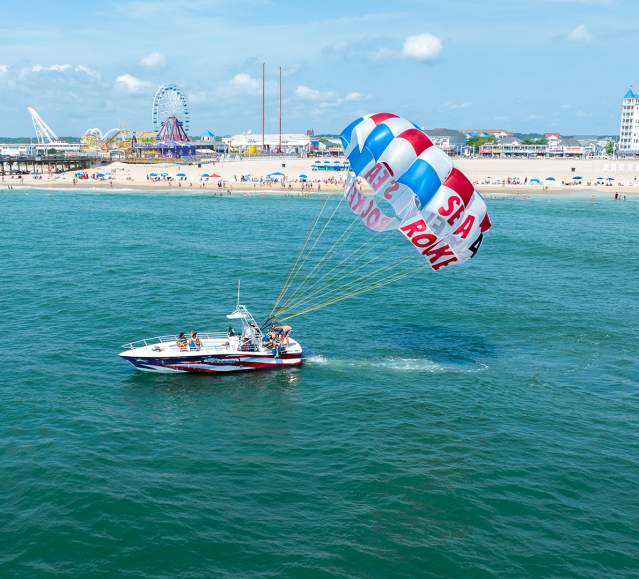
(477, 142)
(610, 148)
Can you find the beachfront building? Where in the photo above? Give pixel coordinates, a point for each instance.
(629, 130)
(512, 147)
(451, 141)
(250, 144)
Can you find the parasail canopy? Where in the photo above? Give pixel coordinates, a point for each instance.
(401, 181)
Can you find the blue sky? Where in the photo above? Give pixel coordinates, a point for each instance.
(524, 65)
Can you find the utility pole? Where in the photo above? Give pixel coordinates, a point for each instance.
(279, 146)
(263, 101)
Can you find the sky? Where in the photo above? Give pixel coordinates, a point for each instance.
(520, 65)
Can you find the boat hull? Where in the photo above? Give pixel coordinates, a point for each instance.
(212, 364)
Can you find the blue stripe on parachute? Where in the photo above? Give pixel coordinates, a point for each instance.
(378, 140)
(359, 159)
(422, 179)
(374, 146)
(347, 133)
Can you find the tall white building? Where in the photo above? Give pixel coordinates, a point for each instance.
(629, 131)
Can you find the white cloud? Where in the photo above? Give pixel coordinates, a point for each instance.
(354, 96)
(65, 68)
(307, 93)
(153, 60)
(245, 83)
(580, 34)
(129, 83)
(4, 68)
(565, 106)
(422, 47)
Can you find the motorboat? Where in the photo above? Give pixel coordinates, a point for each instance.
(230, 351)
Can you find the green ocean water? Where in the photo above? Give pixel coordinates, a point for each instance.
(478, 422)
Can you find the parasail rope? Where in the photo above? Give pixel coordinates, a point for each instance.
(337, 243)
(289, 278)
(339, 266)
(322, 292)
(380, 283)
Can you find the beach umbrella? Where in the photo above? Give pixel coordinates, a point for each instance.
(180, 174)
(577, 178)
(550, 179)
(204, 175)
(215, 175)
(535, 181)
(610, 178)
(153, 174)
(276, 174)
(99, 174)
(600, 178)
(302, 177)
(164, 174)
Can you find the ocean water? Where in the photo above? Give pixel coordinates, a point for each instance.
(478, 422)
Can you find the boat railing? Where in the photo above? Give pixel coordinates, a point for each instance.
(172, 338)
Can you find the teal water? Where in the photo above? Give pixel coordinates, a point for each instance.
(480, 422)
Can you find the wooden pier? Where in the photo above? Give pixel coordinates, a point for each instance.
(40, 165)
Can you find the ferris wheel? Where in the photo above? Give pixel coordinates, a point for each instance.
(170, 101)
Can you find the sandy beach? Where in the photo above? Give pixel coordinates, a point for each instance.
(489, 175)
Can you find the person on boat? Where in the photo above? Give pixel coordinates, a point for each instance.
(195, 343)
(182, 342)
(284, 332)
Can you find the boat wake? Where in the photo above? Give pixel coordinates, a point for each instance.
(396, 364)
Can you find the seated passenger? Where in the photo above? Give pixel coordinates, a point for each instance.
(194, 342)
(181, 342)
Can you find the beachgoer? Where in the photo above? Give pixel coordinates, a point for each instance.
(182, 342)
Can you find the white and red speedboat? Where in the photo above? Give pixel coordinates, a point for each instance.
(217, 352)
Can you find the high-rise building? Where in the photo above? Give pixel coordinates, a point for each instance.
(629, 131)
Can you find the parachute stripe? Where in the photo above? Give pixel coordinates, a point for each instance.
(378, 140)
(360, 159)
(381, 117)
(439, 160)
(347, 133)
(422, 180)
(485, 224)
(418, 139)
(458, 182)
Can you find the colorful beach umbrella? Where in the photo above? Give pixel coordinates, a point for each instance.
(215, 175)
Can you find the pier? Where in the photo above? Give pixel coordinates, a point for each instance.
(41, 164)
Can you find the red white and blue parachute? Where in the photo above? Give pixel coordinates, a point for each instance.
(414, 188)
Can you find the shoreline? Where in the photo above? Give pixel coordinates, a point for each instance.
(296, 177)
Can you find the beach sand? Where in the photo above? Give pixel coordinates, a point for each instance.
(489, 176)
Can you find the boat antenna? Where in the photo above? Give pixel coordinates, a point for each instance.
(238, 293)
